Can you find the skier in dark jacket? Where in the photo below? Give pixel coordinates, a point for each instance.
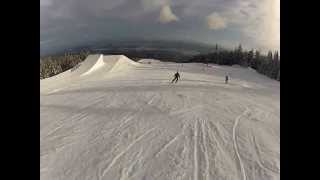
(176, 77)
(227, 78)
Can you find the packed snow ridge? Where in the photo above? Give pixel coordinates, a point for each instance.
(113, 118)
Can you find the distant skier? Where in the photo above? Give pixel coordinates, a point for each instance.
(176, 77)
(227, 79)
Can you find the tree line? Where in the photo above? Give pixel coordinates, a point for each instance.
(268, 64)
(53, 65)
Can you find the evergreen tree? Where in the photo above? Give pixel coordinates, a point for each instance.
(238, 55)
(256, 60)
(268, 64)
(276, 65)
(250, 58)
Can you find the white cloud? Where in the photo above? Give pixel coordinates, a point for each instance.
(45, 3)
(166, 15)
(256, 21)
(150, 5)
(264, 26)
(216, 22)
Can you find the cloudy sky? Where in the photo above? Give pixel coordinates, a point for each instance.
(253, 23)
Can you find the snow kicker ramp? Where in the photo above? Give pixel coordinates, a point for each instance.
(119, 121)
(99, 64)
(94, 67)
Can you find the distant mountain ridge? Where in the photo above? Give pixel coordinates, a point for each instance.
(108, 46)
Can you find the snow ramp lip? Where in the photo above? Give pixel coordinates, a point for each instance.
(100, 63)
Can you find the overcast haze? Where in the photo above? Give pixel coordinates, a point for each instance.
(253, 23)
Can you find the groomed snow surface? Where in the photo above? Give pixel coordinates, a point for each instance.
(112, 118)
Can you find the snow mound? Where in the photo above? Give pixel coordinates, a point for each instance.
(103, 64)
(94, 67)
(99, 63)
(123, 63)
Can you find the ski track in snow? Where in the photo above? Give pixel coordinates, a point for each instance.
(195, 152)
(243, 172)
(114, 160)
(204, 139)
(259, 158)
(167, 145)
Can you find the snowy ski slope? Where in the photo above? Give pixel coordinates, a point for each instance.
(112, 118)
